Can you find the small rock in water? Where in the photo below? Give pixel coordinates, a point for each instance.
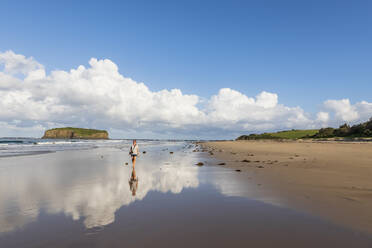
(171, 152)
(238, 170)
(126, 163)
(221, 163)
(246, 161)
(200, 164)
(144, 152)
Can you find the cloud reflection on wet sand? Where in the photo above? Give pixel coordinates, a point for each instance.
(93, 192)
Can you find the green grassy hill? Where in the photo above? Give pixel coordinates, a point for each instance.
(362, 130)
(75, 133)
(81, 131)
(290, 134)
(295, 134)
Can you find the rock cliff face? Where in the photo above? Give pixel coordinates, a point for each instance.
(75, 133)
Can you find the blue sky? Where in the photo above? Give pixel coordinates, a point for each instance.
(306, 52)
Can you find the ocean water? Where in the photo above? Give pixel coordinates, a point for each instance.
(31, 146)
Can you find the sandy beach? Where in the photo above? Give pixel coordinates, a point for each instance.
(328, 179)
(86, 198)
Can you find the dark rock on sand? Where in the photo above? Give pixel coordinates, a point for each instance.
(221, 163)
(144, 152)
(238, 170)
(260, 166)
(200, 164)
(246, 161)
(171, 152)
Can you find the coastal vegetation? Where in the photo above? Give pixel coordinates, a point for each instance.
(289, 134)
(344, 131)
(75, 133)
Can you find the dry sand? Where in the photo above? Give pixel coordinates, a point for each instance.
(330, 179)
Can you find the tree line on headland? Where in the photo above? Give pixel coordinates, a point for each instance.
(345, 130)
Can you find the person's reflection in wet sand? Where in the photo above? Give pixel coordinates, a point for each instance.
(133, 182)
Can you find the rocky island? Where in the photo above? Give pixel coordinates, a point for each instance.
(75, 133)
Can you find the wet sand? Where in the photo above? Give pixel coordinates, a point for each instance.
(329, 179)
(83, 198)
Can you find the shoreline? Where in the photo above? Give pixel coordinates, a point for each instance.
(329, 179)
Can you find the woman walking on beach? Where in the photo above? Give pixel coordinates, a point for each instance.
(133, 181)
(134, 151)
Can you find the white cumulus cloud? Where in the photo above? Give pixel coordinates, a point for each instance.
(98, 96)
(342, 111)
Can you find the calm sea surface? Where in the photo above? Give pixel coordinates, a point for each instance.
(83, 194)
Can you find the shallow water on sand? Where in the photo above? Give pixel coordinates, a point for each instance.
(85, 198)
